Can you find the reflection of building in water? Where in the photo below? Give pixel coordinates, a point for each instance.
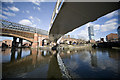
(93, 58)
(114, 54)
(46, 53)
(5, 51)
(112, 37)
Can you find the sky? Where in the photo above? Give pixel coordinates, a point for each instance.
(28, 13)
(38, 14)
(102, 27)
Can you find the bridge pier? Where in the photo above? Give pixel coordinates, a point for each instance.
(14, 42)
(35, 41)
(40, 41)
(20, 42)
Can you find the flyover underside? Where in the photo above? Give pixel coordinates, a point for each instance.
(75, 14)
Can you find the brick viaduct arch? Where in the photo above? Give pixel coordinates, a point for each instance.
(34, 38)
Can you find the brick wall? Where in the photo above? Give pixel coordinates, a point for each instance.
(112, 37)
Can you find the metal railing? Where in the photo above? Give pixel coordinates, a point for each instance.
(55, 12)
(19, 27)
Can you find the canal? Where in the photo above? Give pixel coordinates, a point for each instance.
(36, 63)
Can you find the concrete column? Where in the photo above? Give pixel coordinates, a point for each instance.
(20, 42)
(14, 42)
(35, 41)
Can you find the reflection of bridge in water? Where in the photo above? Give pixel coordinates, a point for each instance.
(21, 64)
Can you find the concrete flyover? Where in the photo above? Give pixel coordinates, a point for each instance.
(72, 15)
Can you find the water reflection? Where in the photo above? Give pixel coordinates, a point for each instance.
(13, 54)
(46, 53)
(36, 63)
(54, 70)
(93, 58)
(19, 53)
(93, 63)
(19, 65)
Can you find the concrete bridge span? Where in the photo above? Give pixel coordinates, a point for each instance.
(68, 16)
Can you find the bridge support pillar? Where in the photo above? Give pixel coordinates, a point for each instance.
(40, 41)
(20, 42)
(35, 41)
(14, 42)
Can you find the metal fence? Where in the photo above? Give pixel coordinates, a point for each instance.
(14, 26)
(55, 12)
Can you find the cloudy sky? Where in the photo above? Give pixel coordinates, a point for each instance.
(102, 27)
(34, 14)
(38, 14)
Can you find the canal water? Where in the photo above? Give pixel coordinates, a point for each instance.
(36, 63)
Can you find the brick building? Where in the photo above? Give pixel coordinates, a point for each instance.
(118, 33)
(7, 42)
(67, 40)
(0, 43)
(112, 37)
(26, 44)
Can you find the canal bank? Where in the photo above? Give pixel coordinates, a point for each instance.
(77, 47)
(67, 47)
(108, 45)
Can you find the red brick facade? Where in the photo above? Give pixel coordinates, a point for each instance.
(8, 42)
(112, 37)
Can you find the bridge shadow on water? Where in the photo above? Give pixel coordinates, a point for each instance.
(54, 70)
